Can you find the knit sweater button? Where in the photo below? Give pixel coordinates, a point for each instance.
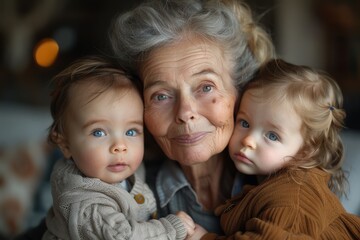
(154, 215)
(139, 198)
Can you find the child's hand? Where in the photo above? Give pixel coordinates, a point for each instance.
(198, 233)
(188, 222)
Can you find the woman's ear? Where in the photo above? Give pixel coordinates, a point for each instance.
(62, 143)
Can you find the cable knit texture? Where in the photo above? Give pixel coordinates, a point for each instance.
(87, 208)
(296, 206)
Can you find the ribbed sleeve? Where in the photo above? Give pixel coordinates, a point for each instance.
(178, 225)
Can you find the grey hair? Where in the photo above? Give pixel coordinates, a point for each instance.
(229, 23)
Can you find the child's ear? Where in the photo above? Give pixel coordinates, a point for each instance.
(61, 141)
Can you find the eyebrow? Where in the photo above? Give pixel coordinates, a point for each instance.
(277, 128)
(154, 83)
(141, 123)
(89, 123)
(206, 71)
(160, 82)
(138, 122)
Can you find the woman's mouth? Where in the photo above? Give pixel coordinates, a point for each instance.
(189, 138)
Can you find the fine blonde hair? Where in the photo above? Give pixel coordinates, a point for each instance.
(317, 99)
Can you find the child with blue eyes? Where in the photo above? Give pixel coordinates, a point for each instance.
(97, 191)
(287, 135)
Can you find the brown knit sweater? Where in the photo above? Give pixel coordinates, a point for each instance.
(300, 206)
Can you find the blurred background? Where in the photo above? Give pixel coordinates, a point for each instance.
(38, 38)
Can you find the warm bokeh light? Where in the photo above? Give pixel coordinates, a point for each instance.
(46, 52)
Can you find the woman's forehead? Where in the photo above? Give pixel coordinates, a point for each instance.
(187, 58)
(188, 49)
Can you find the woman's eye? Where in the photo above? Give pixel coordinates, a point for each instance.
(272, 136)
(98, 133)
(244, 124)
(161, 97)
(207, 88)
(131, 132)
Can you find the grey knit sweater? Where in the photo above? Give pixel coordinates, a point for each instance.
(87, 208)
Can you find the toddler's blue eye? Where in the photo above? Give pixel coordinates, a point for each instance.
(131, 132)
(98, 133)
(272, 136)
(244, 124)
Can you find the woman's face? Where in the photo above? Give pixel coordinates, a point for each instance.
(189, 99)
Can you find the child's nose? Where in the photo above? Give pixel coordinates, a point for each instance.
(249, 142)
(118, 146)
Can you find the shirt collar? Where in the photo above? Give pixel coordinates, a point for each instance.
(170, 179)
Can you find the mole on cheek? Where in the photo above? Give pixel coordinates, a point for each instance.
(214, 100)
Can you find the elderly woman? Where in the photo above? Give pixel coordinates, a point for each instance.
(192, 57)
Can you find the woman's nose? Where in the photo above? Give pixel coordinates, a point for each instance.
(118, 147)
(249, 142)
(186, 110)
